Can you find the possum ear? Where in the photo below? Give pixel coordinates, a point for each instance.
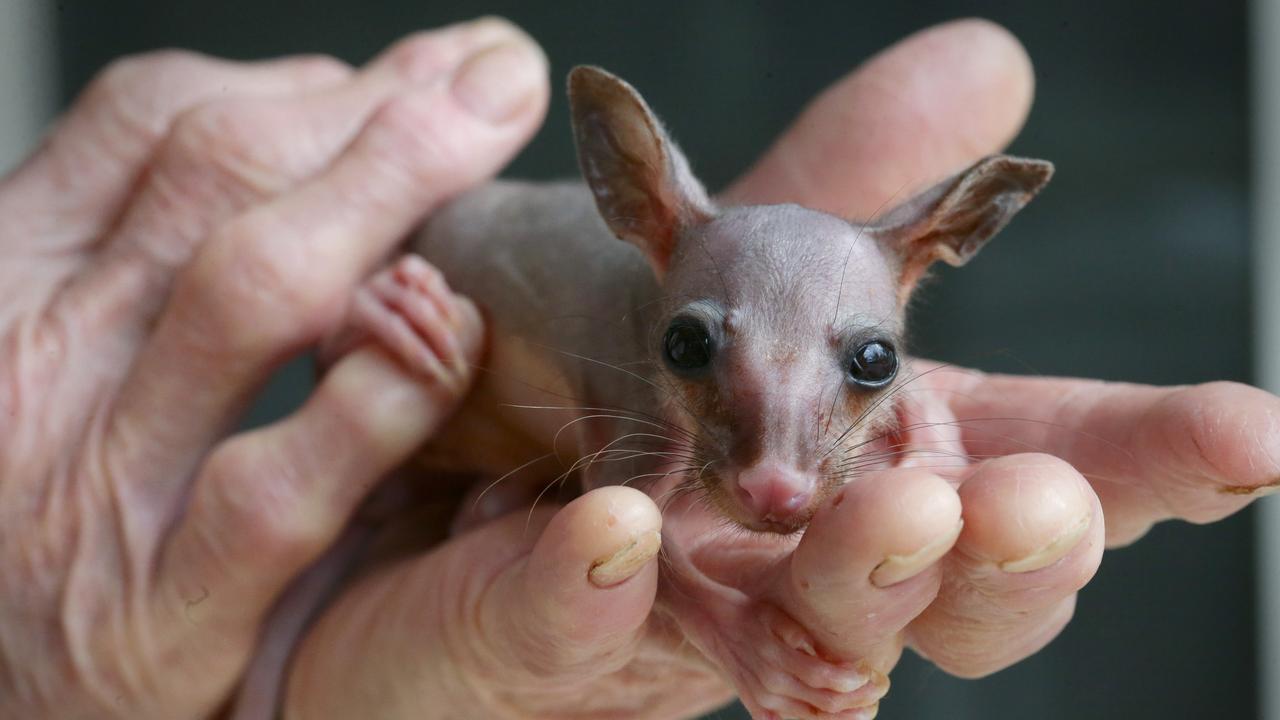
(643, 187)
(953, 220)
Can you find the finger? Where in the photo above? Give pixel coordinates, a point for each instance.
(868, 563)
(1033, 536)
(224, 156)
(532, 617)
(925, 107)
(1198, 453)
(273, 280)
(268, 502)
(69, 192)
(585, 590)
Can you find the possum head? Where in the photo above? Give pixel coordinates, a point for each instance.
(781, 327)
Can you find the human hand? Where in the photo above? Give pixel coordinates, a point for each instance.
(526, 651)
(189, 225)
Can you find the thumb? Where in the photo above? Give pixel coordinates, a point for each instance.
(574, 606)
(520, 607)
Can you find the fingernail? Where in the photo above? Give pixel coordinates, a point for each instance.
(896, 568)
(469, 311)
(850, 681)
(626, 561)
(864, 674)
(498, 82)
(1051, 553)
(1255, 490)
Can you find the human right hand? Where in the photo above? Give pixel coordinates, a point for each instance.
(508, 621)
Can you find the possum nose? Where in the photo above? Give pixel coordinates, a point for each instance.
(773, 492)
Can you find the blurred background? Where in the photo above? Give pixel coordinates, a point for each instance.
(1134, 265)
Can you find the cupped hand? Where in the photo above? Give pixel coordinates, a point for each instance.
(976, 564)
(186, 227)
(506, 620)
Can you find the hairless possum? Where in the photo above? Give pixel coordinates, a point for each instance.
(742, 355)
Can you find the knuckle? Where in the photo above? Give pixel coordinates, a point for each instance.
(416, 137)
(135, 89)
(320, 68)
(261, 503)
(225, 147)
(358, 414)
(257, 284)
(133, 73)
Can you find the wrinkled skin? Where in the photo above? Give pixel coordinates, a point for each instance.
(192, 223)
(885, 563)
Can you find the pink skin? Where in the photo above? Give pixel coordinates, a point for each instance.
(766, 402)
(774, 491)
(778, 668)
(150, 283)
(130, 342)
(1033, 528)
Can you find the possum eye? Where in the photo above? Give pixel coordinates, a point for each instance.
(874, 364)
(687, 345)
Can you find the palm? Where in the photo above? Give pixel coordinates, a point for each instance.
(884, 565)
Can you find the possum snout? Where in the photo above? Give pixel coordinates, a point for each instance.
(774, 494)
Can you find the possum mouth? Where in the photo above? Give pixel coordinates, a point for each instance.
(687, 485)
(715, 491)
(774, 527)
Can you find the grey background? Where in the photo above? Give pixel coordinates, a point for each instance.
(1133, 265)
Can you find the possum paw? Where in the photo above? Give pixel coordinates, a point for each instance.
(777, 669)
(410, 311)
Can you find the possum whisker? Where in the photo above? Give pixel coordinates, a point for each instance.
(615, 413)
(831, 412)
(529, 518)
(556, 440)
(632, 454)
(902, 387)
(666, 392)
(851, 463)
(693, 484)
(641, 476)
(586, 461)
(999, 436)
(893, 392)
(508, 474)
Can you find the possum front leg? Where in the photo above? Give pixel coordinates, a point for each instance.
(410, 311)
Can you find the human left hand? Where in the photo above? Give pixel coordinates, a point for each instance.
(189, 225)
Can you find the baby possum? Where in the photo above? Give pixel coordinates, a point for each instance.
(746, 354)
